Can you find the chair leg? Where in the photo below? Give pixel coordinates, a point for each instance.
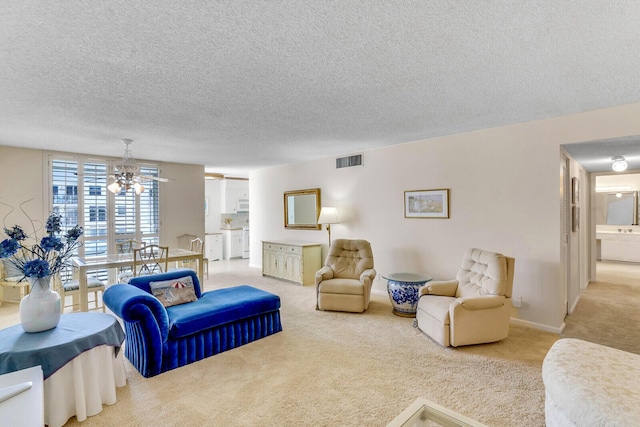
(61, 292)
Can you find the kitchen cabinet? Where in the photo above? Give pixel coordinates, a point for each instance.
(293, 261)
(213, 246)
(619, 246)
(231, 192)
(232, 242)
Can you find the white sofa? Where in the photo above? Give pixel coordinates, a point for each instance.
(589, 384)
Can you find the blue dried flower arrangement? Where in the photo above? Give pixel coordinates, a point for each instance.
(46, 256)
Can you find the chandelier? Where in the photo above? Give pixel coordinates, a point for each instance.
(126, 173)
(125, 180)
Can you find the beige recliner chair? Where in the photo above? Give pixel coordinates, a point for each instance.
(475, 308)
(344, 283)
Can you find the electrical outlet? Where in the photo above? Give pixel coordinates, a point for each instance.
(516, 301)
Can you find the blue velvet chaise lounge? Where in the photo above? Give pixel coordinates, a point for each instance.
(160, 338)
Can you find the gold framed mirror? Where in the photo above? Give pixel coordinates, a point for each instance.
(301, 209)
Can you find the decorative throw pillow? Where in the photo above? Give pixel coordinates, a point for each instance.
(174, 292)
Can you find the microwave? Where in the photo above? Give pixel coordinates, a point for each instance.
(243, 205)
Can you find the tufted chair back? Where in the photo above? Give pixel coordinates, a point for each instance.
(349, 258)
(485, 273)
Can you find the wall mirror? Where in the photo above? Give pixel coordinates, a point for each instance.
(301, 209)
(622, 208)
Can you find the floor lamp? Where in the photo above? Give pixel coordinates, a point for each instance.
(328, 215)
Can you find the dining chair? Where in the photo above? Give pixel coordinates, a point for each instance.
(68, 285)
(197, 245)
(150, 259)
(126, 247)
(184, 242)
(10, 277)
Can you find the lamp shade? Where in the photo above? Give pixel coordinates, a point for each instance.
(328, 215)
(114, 187)
(138, 187)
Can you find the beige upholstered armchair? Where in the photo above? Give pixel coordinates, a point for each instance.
(472, 309)
(344, 283)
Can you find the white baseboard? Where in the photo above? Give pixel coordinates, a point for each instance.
(539, 326)
(573, 307)
(519, 322)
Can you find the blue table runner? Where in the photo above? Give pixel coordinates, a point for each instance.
(52, 349)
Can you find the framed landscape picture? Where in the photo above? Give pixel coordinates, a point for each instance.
(426, 203)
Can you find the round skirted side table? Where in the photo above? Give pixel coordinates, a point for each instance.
(403, 292)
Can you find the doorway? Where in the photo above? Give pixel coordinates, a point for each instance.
(617, 231)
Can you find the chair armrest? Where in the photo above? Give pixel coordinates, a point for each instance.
(482, 302)
(445, 288)
(146, 325)
(134, 305)
(325, 273)
(369, 273)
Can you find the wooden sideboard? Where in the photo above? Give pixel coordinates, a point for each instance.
(290, 260)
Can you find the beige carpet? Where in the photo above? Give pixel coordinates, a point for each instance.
(608, 312)
(335, 369)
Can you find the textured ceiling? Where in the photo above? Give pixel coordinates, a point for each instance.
(241, 85)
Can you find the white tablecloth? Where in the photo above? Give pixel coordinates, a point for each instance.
(83, 385)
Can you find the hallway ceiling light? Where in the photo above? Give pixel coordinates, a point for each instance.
(619, 164)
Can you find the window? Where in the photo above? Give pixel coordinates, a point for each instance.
(97, 214)
(79, 194)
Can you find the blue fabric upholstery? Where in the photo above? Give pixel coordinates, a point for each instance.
(159, 339)
(220, 307)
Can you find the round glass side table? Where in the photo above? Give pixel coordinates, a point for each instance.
(403, 292)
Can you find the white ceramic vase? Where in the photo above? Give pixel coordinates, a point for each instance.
(40, 309)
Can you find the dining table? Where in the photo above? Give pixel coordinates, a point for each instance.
(81, 360)
(84, 265)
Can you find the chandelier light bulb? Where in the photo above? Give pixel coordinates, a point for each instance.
(138, 187)
(114, 187)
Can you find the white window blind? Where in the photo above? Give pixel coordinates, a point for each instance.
(94, 191)
(150, 207)
(79, 194)
(125, 214)
(64, 182)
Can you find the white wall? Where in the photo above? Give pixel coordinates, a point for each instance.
(504, 189)
(213, 194)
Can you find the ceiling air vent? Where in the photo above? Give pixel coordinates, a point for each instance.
(346, 162)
